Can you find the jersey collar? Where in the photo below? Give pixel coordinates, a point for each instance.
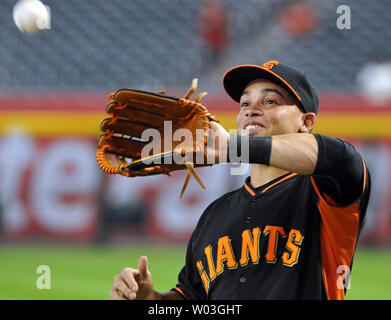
(253, 192)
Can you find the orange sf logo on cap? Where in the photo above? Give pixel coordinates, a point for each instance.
(270, 64)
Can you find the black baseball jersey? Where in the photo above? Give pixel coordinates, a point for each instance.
(292, 238)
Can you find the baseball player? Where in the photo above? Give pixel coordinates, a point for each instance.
(291, 231)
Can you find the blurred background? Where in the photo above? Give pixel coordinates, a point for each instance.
(57, 209)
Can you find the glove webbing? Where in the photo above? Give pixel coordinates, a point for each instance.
(107, 166)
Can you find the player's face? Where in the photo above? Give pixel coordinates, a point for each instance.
(267, 109)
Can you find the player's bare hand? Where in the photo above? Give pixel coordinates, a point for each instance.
(217, 147)
(133, 284)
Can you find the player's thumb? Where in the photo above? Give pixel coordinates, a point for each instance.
(143, 267)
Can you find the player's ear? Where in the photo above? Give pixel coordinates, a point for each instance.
(307, 122)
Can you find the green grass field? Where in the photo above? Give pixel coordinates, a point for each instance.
(87, 272)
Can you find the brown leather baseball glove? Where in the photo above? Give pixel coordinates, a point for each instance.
(152, 133)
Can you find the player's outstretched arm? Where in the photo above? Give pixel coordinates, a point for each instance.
(136, 284)
(296, 152)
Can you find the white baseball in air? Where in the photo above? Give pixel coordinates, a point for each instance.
(31, 16)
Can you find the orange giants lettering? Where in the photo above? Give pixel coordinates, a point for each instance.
(225, 253)
(250, 251)
(293, 245)
(250, 244)
(273, 232)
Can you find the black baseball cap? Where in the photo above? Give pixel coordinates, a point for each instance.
(294, 81)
